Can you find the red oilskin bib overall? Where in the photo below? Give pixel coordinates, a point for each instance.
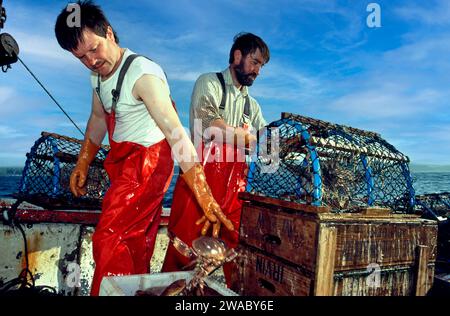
(226, 179)
(124, 238)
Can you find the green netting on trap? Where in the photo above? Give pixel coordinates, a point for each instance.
(46, 176)
(311, 161)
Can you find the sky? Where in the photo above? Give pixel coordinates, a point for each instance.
(330, 60)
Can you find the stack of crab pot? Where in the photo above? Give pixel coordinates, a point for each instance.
(329, 210)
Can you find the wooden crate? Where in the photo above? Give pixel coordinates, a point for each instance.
(294, 249)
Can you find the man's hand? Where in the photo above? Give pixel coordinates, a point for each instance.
(243, 138)
(196, 181)
(78, 177)
(207, 224)
(78, 180)
(239, 136)
(216, 225)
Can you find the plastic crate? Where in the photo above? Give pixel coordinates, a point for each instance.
(128, 285)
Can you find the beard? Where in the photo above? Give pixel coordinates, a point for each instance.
(244, 78)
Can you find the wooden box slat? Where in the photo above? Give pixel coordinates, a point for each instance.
(281, 234)
(387, 244)
(262, 275)
(277, 203)
(393, 281)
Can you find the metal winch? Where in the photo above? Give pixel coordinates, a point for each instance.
(9, 49)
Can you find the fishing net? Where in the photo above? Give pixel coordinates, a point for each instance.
(306, 160)
(46, 176)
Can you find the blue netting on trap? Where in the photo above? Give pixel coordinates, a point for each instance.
(311, 161)
(46, 175)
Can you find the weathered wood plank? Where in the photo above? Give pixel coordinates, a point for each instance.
(275, 203)
(324, 282)
(263, 275)
(281, 234)
(386, 244)
(422, 271)
(393, 281)
(375, 211)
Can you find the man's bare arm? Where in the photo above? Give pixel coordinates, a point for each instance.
(155, 95)
(96, 126)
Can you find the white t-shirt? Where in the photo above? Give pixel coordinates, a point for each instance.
(133, 121)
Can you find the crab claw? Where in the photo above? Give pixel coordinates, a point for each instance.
(182, 247)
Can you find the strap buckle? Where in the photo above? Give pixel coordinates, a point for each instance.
(115, 95)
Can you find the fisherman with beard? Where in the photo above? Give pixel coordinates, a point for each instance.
(224, 119)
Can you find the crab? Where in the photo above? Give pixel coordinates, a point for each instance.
(208, 255)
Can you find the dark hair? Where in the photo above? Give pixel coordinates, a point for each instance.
(249, 43)
(92, 17)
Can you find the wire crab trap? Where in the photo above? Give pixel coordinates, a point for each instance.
(46, 176)
(315, 162)
(437, 207)
(434, 205)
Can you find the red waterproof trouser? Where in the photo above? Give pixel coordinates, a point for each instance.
(226, 178)
(125, 235)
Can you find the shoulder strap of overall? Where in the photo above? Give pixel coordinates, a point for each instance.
(224, 91)
(246, 114)
(116, 92)
(224, 96)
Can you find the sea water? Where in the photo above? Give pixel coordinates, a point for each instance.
(9, 184)
(423, 182)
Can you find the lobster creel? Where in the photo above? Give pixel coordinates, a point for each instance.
(305, 160)
(46, 175)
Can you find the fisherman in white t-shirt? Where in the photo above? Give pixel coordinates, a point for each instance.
(140, 119)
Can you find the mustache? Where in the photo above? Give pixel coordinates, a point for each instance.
(98, 65)
(251, 76)
(247, 74)
(243, 77)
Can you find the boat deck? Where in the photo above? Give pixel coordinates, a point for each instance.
(59, 246)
